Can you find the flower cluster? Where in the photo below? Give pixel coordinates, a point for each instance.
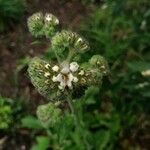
(55, 79)
(40, 25)
(69, 40)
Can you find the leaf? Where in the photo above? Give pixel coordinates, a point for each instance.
(90, 94)
(102, 138)
(138, 66)
(42, 143)
(31, 122)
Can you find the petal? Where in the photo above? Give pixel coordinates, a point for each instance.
(75, 79)
(74, 66)
(59, 77)
(55, 68)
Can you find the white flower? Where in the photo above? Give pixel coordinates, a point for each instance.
(74, 66)
(56, 21)
(65, 70)
(47, 66)
(55, 68)
(146, 73)
(46, 74)
(54, 79)
(75, 79)
(65, 80)
(48, 17)
(79, 40)
(81, 73)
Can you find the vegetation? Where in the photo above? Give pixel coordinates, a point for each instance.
(95, 83)
(10, 12)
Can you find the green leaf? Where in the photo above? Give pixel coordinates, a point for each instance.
(31, 122)
(42, 143)
(90, 94)
(138, 66)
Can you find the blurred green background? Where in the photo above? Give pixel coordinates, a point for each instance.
(117, 118)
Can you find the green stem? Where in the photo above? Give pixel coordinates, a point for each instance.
(77, 122)
(49, 132)
(70, 55)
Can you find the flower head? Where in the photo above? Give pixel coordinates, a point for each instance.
(65, 78)
(53, 78)
(35, 24)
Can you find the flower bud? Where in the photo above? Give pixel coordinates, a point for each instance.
(48, 114)
(51, 25)
(36, 24)
(71, 41)
(100, 62)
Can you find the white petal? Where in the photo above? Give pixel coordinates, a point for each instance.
(60, 87)
(81, 73)
(79, 40)
(55, 68)
(47, 66)
(46, 74)
(74, 66)
(69, 81)
(65, 70)
(75, 79)
(59, 77)
(54, 79)
(48, 17)
(57, 21)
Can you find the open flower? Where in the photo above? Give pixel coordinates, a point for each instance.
(65, 76)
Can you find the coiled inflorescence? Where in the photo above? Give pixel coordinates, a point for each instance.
(40, 25)
(53, 78)
(49, 114)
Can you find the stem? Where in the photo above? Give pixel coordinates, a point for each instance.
(70, 55)
(57, 57)
(77, 122)
(49, 132)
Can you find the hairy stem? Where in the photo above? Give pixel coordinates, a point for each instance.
(77, 122)
(70, 55)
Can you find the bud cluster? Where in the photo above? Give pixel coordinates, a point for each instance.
(40, 25)
(69, 40)
(49, 114)
(55, 79)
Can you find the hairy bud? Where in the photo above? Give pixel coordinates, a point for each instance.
(70, 41)
(101, 63)
(51, 24)
(49, 114)
(36, 24)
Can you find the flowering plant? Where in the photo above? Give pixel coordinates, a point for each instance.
(58, 79)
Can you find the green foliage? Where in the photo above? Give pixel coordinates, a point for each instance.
(31, 122)
(5, 113)
(123, 40)
(42, 143)
(10, 11)
(103, 117)
(113, 35)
